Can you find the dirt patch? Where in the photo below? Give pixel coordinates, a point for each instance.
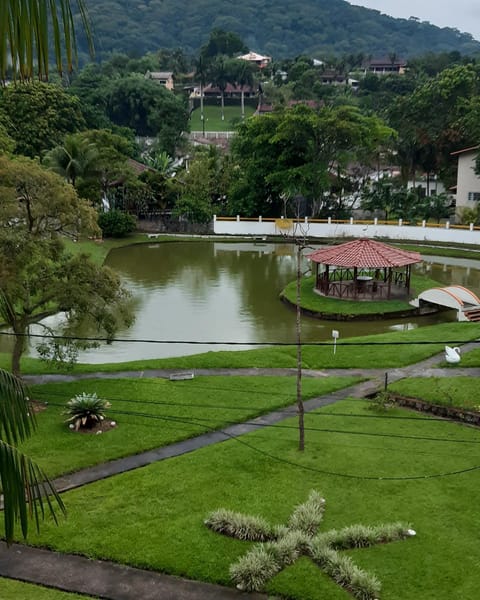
(37, 407)
(101, 427)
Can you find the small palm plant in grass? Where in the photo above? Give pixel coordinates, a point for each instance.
(86, 410)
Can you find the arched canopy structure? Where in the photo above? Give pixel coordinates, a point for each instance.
(363, 270)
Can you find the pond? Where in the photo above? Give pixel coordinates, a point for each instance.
(229, 292)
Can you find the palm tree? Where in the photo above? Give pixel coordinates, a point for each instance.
(27, 28)
(221, 75)
(201, 71)
(25, 487)
(77, 157)
(243, 76)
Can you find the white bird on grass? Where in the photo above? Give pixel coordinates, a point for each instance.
(452, 355)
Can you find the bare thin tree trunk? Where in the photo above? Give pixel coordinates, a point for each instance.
(18, 347)
(300, 409)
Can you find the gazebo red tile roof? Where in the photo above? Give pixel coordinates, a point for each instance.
(364, 253)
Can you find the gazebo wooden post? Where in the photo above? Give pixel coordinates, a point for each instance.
(355, 284)
(327, 280)
(389, 284)
(407, 278)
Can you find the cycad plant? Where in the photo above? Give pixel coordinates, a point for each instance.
(25, 487)
(86, 410)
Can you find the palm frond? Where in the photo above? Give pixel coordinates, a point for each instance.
(17, 420)
(30, 29)
(26, 491)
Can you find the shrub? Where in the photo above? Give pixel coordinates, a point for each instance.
(86, 410)
(253, 570)
(116, 223)
(241, 527)
(307, 516)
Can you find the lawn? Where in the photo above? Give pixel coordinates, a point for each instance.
(17, 590)
(383, 351)
(155, 412)
(153, 517)
(213, 118)
(461, 392)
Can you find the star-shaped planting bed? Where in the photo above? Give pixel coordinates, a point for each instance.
(280, 546)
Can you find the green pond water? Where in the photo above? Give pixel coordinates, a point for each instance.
(229, 292)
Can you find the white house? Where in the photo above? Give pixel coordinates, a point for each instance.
(468, 182)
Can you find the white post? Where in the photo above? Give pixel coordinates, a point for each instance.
(375, 221)
(471, 226)
(238, 218)
(260, 219)
(351, 220)
(447, 225)
(400, 222)
(424, 223)
(335, 336)
(329, 220)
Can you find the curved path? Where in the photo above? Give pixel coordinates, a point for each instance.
(119, 582)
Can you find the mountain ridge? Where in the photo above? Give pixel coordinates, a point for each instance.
(273, 27)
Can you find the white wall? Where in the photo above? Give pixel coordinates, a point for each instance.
(263, 227)
(467, 180)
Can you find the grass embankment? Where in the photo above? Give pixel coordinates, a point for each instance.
(17, 590)
(460, 392)
(213, 118)
(386, 350)
(153, 517)
(313, 302)
(155, 412)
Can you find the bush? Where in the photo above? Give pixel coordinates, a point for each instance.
(116, 223)
(86, 410)
(241, 527)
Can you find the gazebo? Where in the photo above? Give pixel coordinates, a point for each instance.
(363, 270)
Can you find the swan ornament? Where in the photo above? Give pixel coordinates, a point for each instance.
(452, 355)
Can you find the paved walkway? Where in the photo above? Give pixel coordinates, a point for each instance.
(118, 582)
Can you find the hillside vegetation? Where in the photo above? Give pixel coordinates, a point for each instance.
(279, 28)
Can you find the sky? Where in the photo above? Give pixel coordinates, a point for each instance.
(462, 14)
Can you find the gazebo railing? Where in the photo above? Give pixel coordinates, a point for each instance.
(373, 290)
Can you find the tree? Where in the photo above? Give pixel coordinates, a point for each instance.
(23, 483)
(57, 114)
(26, 30)
(243, 74)
(224, 43)
(75, 158)
(38, 277)
(147, 108)
(221, 74)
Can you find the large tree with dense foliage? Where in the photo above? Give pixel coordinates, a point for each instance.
(301, 150)
(148, 108)
(31, 31)
(38, 277)
(39, 116)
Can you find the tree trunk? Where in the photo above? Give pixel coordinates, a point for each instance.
(223, 106)
(18, 347)
(243, 104)
(202, 114)
(300, 409)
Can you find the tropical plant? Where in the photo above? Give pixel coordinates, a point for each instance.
(26, 29)
(86, 410)
(25, 487)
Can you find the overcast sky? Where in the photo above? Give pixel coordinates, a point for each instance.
(462, 14)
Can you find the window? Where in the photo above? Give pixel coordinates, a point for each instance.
(474, 196)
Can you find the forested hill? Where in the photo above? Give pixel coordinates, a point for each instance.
(280, 28)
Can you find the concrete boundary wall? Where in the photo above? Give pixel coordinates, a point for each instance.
(446, 233)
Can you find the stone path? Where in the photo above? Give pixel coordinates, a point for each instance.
(118, 582)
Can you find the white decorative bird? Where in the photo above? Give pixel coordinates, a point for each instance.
(452, 355)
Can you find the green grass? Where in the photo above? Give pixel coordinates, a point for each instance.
(312, 301)
(401, 348)
(18, 590)
(213, 118)
(263, 473)
(461, 392)
(155, 412)
(471, 359)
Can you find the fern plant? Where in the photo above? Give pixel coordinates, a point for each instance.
(86, 410)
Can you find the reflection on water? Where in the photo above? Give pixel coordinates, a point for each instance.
(215, 291)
